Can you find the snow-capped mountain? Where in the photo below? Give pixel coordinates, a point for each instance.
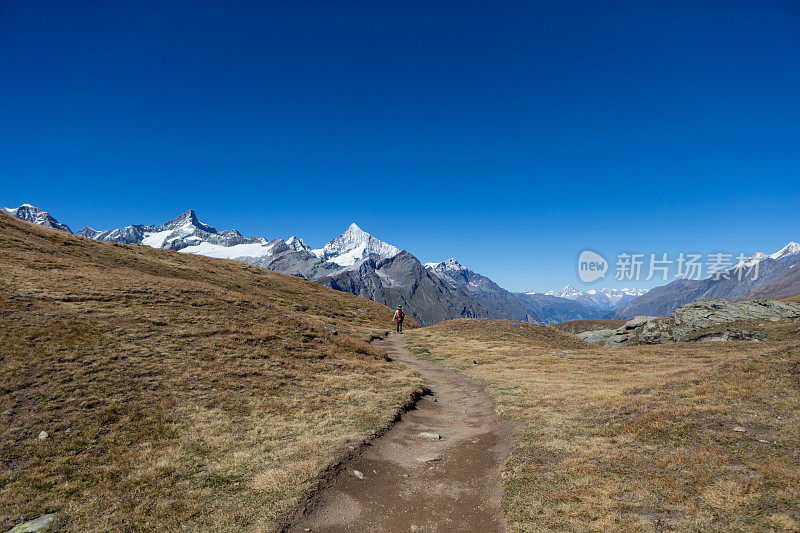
(790, 249)
(500, 302)
(29, 213)
(359, 263)
(449, 267)
(353, 245)
(774, 280)
(187, 234)
(603, 299)
(297, 244)
(355, 262)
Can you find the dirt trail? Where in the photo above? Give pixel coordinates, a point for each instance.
(418, 483)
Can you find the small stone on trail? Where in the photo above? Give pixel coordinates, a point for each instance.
(43, 435)
(430, 435)
(474, 362)
(429, 458)
(359, 475)
(740, 429)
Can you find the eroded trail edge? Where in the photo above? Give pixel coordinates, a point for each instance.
(412, 480)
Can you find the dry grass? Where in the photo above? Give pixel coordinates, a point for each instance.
(588, 324)
(639, 438)
(179, 392)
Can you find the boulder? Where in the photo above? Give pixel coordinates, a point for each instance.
(600, 335)
(638, 321)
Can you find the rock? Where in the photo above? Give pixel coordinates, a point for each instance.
(689, 322)
(359, 475)
(43, 435)
(600, 335)
(638, 321)
(619, 339)
(739, 429)
(430, 458)
(474, 362)
(332, 331)
(34, 525)
(430, 435)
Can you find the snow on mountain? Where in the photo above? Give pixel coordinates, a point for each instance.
(792, 248)
(260, 248)
(354, 245)
(603, 298)
(450, 266)
(297, 244)
(187, 234)
(29, 213)
(496, 300)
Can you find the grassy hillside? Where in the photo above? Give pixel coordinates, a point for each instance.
(690, 436)
(590, 324)
(179, 392)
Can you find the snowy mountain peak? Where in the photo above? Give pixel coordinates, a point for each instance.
(297, 244)
(189, 220)
(353, 245)
(353, 228)
(603, 298)
(792, 248)
(30, 213)
(569, 292)
(451, 265)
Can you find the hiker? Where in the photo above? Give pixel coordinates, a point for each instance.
(398, 317)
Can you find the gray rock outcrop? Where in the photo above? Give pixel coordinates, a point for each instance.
(688, 322)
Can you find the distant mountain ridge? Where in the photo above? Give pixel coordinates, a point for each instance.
(776, 279)
(29, 213)
(355, 261)
(499, 302)
(603, 299)
(359, 263)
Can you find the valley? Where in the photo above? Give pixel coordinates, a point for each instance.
(147, 388)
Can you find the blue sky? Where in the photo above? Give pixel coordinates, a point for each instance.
(510, 135)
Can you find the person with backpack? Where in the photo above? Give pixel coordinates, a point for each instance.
(398, 318)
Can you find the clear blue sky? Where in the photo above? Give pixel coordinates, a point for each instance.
(510, 135)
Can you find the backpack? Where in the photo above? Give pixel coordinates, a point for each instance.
(399, 315)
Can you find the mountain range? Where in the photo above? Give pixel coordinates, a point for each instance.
(600, 299)
(354, 262)
(358, 263)
(777, 278)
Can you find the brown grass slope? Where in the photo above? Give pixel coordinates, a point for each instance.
(589, 324)
(179, 392)
(684, 437)
(501, 331)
